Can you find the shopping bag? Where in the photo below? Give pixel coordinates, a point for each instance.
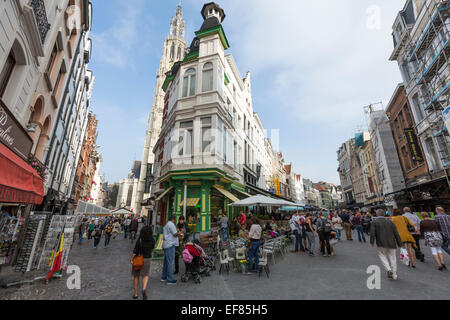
(404, 256)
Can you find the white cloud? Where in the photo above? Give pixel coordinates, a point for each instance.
(329, 63)
(114, 45)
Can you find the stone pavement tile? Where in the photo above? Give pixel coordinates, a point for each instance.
(106, 275)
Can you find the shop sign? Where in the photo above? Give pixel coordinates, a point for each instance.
(12, 134)
(413, 144)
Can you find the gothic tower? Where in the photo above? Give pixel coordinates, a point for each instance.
(173, 51)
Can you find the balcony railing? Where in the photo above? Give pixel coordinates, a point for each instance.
(41, 18)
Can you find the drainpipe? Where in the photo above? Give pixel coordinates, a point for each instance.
(185, 199)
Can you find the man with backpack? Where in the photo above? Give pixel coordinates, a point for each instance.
(324, 228)
(134, 226)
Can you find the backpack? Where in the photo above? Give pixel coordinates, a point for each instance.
(187, 256)
(326, 225)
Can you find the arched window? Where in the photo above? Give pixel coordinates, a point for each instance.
(172, 52)
(207, 78)
(189, 83)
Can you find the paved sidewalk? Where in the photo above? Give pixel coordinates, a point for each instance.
(106, 275)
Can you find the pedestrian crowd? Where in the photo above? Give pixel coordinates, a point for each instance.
(107, 227)
(389, 232)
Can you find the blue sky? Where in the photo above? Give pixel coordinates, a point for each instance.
(314, 65)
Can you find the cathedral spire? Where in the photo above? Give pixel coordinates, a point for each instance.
(177, 26)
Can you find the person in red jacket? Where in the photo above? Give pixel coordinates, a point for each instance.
(243, 219)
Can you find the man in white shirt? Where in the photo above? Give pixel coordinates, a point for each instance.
(416, 234)
(255, 237)
(170, 243)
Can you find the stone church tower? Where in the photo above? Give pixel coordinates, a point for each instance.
(173, 51)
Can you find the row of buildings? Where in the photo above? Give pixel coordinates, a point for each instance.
(404, 158)
(48, 157)
(206, 147)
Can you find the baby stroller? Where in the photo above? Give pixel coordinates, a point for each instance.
(197, 262)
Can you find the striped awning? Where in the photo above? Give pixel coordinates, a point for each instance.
(164, 193)
(227, 194)
(191, 202)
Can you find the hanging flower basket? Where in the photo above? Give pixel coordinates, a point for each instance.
(38, 166)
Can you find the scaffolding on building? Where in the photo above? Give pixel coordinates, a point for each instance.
(429, 56)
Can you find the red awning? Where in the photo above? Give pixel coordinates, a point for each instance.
(19, 182)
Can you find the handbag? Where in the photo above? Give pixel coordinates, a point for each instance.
(411, 228)
(138, 260)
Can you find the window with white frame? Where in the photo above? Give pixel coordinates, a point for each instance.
(220, 80)
(185, 139)
(207, 77)
(189, 83)
(206, 135)
(219, 134)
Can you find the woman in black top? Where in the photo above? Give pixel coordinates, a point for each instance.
(144, 246)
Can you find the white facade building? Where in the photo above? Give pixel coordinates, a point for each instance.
(389, 169)
(173, 50)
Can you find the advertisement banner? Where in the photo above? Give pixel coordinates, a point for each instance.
(413, 144)
(446, 116)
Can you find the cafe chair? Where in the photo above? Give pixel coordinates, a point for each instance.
(263, 264)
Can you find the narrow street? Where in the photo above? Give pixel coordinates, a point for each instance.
(105, 275)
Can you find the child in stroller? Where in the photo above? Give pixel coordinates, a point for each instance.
(196, 262)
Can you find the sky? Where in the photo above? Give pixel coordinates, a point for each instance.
(314, 66)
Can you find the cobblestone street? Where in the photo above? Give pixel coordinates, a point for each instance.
(105, 275)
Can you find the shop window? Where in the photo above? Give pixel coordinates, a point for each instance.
(189, 83)
(6, 72)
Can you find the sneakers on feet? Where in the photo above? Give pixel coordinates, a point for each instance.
(390, 274)
(394, 277)
(172, 282)
(163, 280)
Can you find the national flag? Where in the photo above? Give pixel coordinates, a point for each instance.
(56, 266)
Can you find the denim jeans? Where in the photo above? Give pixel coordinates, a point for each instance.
(298, 240)
(360, 231)
(107, 239)
(446, 245)
(339, 233)
(254, 254)
(126, 231)
(225, 234)
(311, 242)
(169, 256)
